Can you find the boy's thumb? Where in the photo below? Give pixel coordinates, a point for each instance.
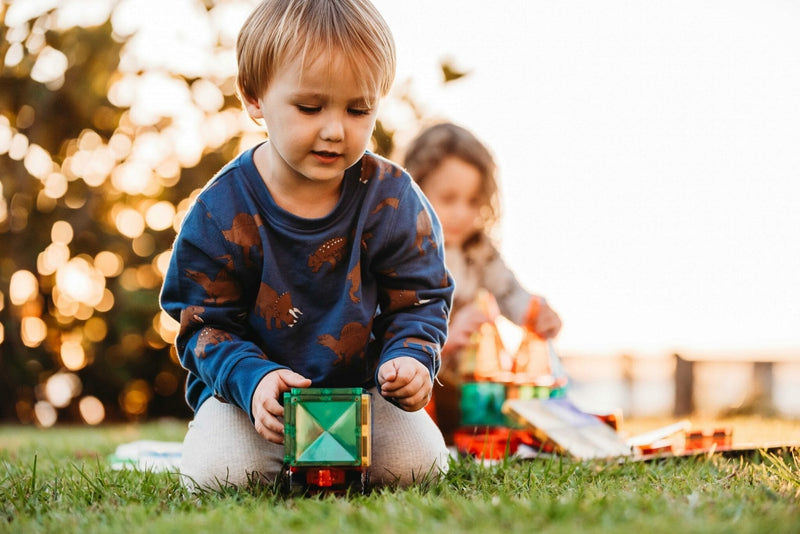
(297, 380)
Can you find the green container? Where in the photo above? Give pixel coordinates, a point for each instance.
(327, 427)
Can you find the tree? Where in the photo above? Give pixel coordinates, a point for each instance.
(102, 147)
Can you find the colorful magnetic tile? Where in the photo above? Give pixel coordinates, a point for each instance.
(327, 426)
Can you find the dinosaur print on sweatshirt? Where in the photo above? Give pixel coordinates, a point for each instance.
(370, 165)
(191, 317)
(354, 277)
(277, 310)
(209, 336)
(403, 298)
(220, 290)
(424, 231)
(352, 342)
(331, 251)
(244, 232)
(387, 202)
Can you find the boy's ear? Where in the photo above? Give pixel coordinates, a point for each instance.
(253, 108)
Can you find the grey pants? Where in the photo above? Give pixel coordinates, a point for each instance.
(222, 447)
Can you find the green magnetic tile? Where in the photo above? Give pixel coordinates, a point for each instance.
(307, 429)
(327, 450)
(328, 413)
(482, 403)
(347, 428)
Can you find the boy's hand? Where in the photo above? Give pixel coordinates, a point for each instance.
(265, 405)
(547, 323)
(406, 382)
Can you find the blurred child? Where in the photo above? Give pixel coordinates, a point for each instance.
(307, 260)
(457, 174)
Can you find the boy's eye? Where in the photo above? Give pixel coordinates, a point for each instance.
(308, 109)
(359, 111)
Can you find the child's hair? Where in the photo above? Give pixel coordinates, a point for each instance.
(434, 144)
(278, 31)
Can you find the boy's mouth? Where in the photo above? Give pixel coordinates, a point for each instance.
(325, 156)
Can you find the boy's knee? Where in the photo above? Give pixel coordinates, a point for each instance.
(221, 476)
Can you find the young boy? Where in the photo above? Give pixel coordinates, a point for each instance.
(308, 261)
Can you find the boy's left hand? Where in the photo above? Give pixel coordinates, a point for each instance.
(406, 382)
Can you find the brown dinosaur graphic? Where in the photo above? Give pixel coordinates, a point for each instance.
(368, 167)
(190, 317)
(352, 342)
(424, 230)
(331, 251)
(387, 202)
(354, 277)
(220, 290)
(244, 232)
(276, 309)
(209, 336)
(403, 298)
(389, 170)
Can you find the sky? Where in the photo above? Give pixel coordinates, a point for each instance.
(649, 152)
(649, 157)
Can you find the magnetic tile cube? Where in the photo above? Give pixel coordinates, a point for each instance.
(327, 426)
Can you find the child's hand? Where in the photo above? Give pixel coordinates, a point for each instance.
(265, 406)
(546, 323)
(406, 382)
(463, 324)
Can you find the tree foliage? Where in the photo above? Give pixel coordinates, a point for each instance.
(102, 148)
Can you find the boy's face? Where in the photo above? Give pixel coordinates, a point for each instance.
(319, 120)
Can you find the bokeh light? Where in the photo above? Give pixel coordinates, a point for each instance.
(61, 232)
(108, 263)
(160, 215)
(61, 388)
(23, 286)
(129, 222)
(92, 410)
(135, 398)
(95, 329)
(73, 356)
(45, 414)
(33, 330)
(79, 282)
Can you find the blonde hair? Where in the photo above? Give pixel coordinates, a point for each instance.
(440, 141)
(278, 31)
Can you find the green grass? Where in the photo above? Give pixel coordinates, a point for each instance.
(58, 480)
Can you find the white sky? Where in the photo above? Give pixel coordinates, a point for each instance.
(649, 156)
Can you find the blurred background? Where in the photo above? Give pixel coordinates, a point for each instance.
(649, 170)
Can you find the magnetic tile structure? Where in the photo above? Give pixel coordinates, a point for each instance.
(327, 426)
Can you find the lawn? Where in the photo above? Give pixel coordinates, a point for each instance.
(59, 480)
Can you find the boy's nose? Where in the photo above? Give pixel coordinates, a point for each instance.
(333, 129)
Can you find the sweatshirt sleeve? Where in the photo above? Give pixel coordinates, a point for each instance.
(204, 291)
(415, 288)
(512, 298)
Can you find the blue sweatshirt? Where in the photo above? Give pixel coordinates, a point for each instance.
(256, 288)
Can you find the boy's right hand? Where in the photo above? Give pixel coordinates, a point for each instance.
(266, 407)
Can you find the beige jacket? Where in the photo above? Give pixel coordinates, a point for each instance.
(482, 266)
